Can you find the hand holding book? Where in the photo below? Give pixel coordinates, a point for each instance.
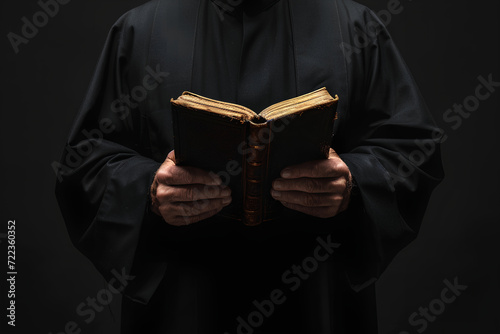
(318, 188)
(248, 149)
(186, 195)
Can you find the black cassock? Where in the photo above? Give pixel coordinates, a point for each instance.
(296, 275)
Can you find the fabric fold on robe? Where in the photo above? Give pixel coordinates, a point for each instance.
(384, 134)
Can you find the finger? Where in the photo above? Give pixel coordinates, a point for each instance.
(190, 193)
(177, 175)
(306, 199)
(333, 167)
(189, 209)
(171, 157)
(169, 161)
(332, 154)
(311, 185)
(320, 212)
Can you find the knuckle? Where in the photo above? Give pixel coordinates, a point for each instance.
(209, 205)
(342, 167)
(338, 198)
(211, 192)
(161, 193)
(162, 174)
(189, 194)
(220, 204)
(168, 175)
(347, 181)
(309, 200)
(310, 185)
(341, 186)
(331, 186)
(337, 166)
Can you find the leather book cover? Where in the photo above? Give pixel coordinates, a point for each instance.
(248, 154)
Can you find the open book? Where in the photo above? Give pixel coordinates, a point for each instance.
(249, 150)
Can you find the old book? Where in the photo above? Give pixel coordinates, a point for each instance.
(249, 150)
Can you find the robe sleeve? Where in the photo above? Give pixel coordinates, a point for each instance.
(105, 171)
(390, 143)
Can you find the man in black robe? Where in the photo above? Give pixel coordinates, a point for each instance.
(312, 271)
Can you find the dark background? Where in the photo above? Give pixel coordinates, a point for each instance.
(447, 45)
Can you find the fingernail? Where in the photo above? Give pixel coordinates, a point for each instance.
(275, 194)
(226, 192)
(278, 185)
(286, 173)
(226, 200)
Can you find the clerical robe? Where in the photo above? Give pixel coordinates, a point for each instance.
(297, 274)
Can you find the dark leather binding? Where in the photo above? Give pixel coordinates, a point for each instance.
(250, 155)
(258, 140)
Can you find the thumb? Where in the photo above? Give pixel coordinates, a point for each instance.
(171, 158)
(332, 154)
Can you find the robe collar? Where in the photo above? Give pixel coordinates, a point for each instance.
(249, 7)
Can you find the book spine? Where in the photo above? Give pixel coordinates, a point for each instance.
(255, 172)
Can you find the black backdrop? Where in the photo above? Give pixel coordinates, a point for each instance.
(447, 46)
